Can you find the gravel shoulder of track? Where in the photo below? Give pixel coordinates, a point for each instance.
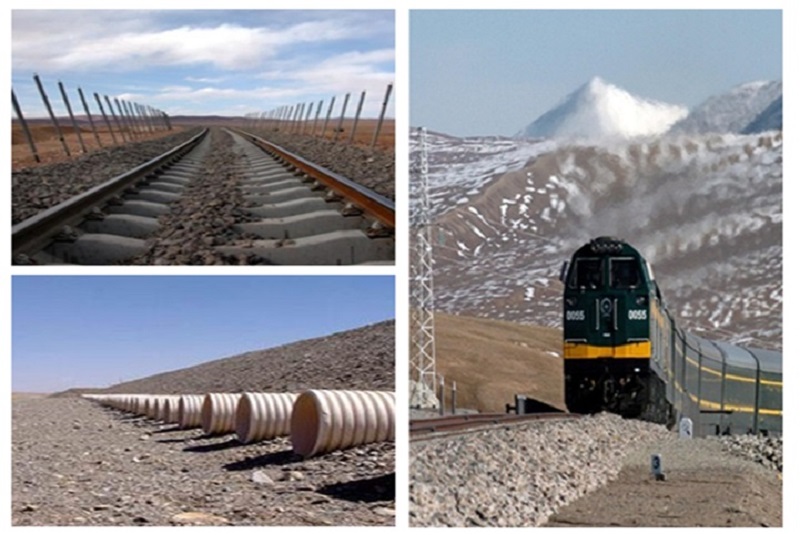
(37, 188)
(75, 463)
(594, 471)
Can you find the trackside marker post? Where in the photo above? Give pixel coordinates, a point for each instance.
(656, 467)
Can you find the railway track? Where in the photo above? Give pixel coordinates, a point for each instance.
(287, 211)
(428, 428)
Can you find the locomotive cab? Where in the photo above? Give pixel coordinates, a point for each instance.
(608, 288)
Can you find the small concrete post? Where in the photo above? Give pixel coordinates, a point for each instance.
(453, 399)
(441, 395)
(656, 467)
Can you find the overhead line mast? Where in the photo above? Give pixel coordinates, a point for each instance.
(423, 357)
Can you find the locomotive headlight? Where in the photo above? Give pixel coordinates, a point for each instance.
(641, 300)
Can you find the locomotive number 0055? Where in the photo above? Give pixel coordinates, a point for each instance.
(637, 314)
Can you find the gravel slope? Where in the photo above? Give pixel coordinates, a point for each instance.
(357, 359)
(75, 463)
(593, 471)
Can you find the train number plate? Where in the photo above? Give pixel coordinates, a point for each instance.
(637, 314)
(576, 315)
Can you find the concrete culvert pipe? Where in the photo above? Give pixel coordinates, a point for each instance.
(262, 416)
(219, 413)
(190, 411)
(327, 420)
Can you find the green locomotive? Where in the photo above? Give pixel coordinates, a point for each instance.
(623, 352)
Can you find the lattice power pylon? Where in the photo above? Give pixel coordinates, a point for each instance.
(423, 347)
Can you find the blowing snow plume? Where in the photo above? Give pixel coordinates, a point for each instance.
(599, 110)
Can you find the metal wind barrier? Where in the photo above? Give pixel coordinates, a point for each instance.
(306, 118)
(124, 121)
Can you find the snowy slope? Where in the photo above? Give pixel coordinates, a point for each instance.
(732, 111)
(599, 110)
(705, 210)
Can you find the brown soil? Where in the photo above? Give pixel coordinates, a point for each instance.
(363, 137)
(491, 361)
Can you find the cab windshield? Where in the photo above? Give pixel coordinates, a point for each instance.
(588, 273)
(625, 273)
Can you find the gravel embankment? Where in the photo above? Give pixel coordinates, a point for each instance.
(767, 451)
(593, 472)
(38, 188)
(75, 463)
(520, 475)
(372, 169)
(361, 359)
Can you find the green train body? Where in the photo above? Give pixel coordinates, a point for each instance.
(624, 353)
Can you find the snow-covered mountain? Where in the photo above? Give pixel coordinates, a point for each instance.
(732, 111)
(705, 210)
(599, 110)
(769, 119)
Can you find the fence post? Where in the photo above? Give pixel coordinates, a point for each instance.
(105, 118)
(144, 118)
(124, 119)
(380, 119)
(341, 117)
(152, 113)
(302, 109)
(89, 115)
(129, 112)
(52, 116)
(308, 117)
(71, 116)
(166, 120)
(358, 114)
(114, 116)
(24, 124)
(328, 116)
(316, 116)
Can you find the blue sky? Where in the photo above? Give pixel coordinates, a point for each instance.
(97, 330)
(493, 72)
(201, 62)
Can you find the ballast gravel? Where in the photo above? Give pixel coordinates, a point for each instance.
(38, 188)
(524, 474)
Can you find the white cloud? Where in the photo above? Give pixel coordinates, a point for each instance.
(225, 46)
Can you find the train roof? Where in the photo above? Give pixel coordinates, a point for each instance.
(607, 245)
(734, 355)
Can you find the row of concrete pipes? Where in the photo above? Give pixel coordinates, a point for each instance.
(318, 421)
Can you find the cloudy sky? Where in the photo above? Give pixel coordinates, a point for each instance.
(204, 62)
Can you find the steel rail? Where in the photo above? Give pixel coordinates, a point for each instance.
(370, 202)
(424, 429)
(37, 231)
